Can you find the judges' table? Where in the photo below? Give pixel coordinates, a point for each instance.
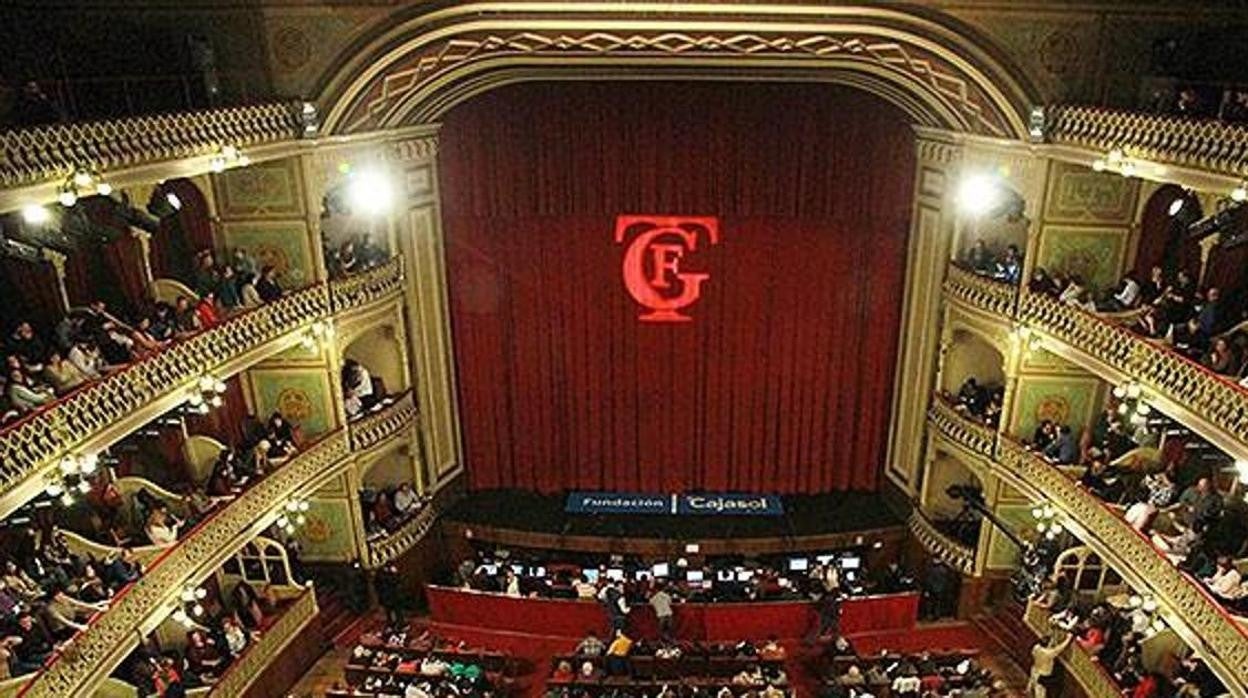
(694, 621)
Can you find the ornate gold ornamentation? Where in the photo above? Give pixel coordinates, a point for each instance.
(265, 649)
(997, 297)
(1208, 145)
(93, 654)
(1200, 620)
(372, 429)
(974, 436)
(415, 150)
(1162, 372)
(50, 153)
(47, 435)
(939, 78)
(958, 556)
(1090, 676)
(361, 289)
(395, 544)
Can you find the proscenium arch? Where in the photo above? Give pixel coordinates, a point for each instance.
(421, 62)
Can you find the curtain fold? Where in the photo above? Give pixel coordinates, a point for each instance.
(782, 380)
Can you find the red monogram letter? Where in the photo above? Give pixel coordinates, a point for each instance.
(679, 235)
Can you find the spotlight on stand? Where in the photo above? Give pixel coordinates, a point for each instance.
(34, 214)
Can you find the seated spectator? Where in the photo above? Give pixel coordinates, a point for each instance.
(161, 527)
(772, 650)
(591, 646)
(67, 615)
(121, 569)
(1220, 359)
(248, 296)
(27, 347)
(36, 645)
(280, 435)
(406, 501)
(26, 396)
(1179, 545)
(1126, 296)
(357, 388)
(1045, 434)
(563, 672)
(1064, 450)
(1188, 340)
(584, 590)
(61, 374)
(236, 637)
(1200, 504)
(203, 659)
(1225, 580)
(206, 314)
(1150, 324)
(1042, 284)
(186, 320)
(227, 290)
(267, 286)
(978, 258)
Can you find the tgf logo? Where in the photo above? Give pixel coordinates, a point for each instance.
(652, 262)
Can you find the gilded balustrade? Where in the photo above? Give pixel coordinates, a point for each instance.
(1088, 673)
(997, 297)
(51, 432)
(51, 153)
(367, 286)
(974, 435)
(1198, 618)
(265, 649)
(93, 654)
(384, 550)
(372, 429)
(1161, 371)
(1204, 144)
(955, 554)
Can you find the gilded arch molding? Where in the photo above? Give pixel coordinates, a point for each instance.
(423, 61)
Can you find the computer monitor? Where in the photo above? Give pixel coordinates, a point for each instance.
(798, 564)
(615, 574)
(539, 572)
(591, 575)
(518, 569)
(661, 570)
(641, 575)
(745, 575)
(851, 562)
(725, 575)
(490, 568)
(826, 559)
(694, 576)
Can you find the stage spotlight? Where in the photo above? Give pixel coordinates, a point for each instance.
(979, 194)
(35, 214)
(370, 193)
(1240, 193)
(1175, 206)
(174, 201)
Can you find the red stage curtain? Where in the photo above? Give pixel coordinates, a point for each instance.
(782, 381)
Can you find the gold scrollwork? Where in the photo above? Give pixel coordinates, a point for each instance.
(960, 557)
(974, 436)
(1205, 144)
(361, 289)
(375, 428)
(94, 653)
(264, 650)
(48, 153)
(997, 297)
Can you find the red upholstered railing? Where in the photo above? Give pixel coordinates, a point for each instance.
(698, 621)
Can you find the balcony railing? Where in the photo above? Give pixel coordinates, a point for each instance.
(1207, 624)
(1164, 373)
(111, 635)
(262, 651)
(973, 435)
(995, 296)
(1086, 671)
(383, 550)
(109, 407)
(370, 430)
(955, 554)
(52, 153)
(1208, 145)
(366, 286)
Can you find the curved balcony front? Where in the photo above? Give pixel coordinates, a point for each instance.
(957, 555)
(99, 414)
(1196, 616)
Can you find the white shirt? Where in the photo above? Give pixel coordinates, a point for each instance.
(1225, 584)
(405, 500)
(1129, 294)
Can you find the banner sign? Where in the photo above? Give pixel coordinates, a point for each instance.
(674, 504)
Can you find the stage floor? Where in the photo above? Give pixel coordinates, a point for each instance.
(807, 515)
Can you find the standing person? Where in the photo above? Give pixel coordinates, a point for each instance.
(1043, 656)
(661, 602)
(389, 594)
(612, 598)
(828, 609)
